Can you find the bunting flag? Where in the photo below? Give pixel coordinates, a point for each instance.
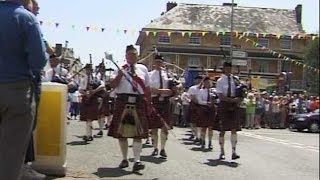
(155, 33)
(217, 33)
(204, 33)
(125, 31)
(147, 33)
(190, 34)
(87, 28)
(237, 33)
(285, 58)
(102, 29)
(183, 33)
(57, 24)
(41, 22)
(73, 27)
(169, 33)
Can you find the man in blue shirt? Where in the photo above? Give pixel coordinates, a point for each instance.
(22, 57)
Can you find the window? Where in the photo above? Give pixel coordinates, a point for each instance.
(286, 66)
(195, 40)
(285, 44)
(263, 66)
(164, 38)
(194, 61)
(225, 40)
(263, 42)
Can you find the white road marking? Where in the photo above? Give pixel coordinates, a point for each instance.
(280, 141)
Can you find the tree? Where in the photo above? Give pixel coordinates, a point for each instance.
(312, 59)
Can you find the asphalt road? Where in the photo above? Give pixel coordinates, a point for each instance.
(265, 154)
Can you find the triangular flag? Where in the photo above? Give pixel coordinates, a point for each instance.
(279, 56)
(273, 52)
(147, 33)
(73, 27)
(183, 33)
(190, 34)
(118, 30)
(41, 22)
(57, 24)
(102, 29)
(247, 39)
(169, 33)
(304, 66)
(264, 35)
(87, 28)
(292, 36)
(314, 37)
(240, 37)
(217, 33)
(154, 33)
(279, 36)
(257, 35)
(49, 23)
(125, 31)
(204, 33)
(237, 33)
(223, 33)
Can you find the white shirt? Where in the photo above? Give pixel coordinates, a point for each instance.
(202, 96)
(186, 98)
(155, 80)
(194, 90)
(58, 71)
(125, 87)
(75, 97)
(84, 81)
(222, 85)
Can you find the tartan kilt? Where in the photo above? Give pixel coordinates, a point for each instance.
(206, 116)
(194, 112)
(104, 111)
(163, 108)
(89, 109)
(116, 120)
(110, 105)
(227, 119)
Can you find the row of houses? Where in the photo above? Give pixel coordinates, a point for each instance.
(198, 36)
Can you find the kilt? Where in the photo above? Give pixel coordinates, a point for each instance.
(104, 110)
(227, 118)
(163, 108)
(206, 116)
(89, 109)
(194, 112)
(120, 105)
(110, 106)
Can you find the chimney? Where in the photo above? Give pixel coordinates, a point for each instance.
(171, 5)
(229, 4)
(298, 13)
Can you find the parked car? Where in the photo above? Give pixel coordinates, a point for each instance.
(304, 121)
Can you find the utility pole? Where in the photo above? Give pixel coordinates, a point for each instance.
(231, 30)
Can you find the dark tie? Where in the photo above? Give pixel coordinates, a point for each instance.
(229, 86)
(160, 77)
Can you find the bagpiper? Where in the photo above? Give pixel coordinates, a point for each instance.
(160, 93)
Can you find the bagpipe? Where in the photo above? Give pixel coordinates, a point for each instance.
(241, 88)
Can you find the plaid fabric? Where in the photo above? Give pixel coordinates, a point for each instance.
(194, 112)
(163, 108)
(89, 109)
(206, 116)
(120, 104)
(227, 119)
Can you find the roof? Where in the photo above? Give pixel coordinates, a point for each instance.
(216, 18)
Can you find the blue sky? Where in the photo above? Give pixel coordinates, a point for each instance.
(131, 15)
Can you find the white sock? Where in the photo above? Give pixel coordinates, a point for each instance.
(155, 137)
(221, 142)
(137, 148)
(124, 148)
(101, 123)
(233, 139)
(163, 139)
(89, 128)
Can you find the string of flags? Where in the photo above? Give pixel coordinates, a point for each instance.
(94, 28)
(276, 54)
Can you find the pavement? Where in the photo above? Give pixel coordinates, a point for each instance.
(266, 154)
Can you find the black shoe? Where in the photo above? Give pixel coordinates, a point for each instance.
(210, 146)
(191, 137)
(100, 133)
(222, 156)
(90, 138)
(106, 126)
(163, 153)
(235, 156)
(147, 141)
(85, 138)
(155, 152)
(138, 166)
(124, 163)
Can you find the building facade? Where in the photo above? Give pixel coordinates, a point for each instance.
(265, 41)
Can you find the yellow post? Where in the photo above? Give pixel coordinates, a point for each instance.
(50, 134)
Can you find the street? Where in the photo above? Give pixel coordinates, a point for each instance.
(265, 154)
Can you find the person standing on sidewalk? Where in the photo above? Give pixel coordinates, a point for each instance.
(130, 119)
(22, 57)
(227, 113)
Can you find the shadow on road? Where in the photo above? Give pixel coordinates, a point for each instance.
(77, 143)
(111, 172)
(151, 159)
(201, 149)
(218, 162)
